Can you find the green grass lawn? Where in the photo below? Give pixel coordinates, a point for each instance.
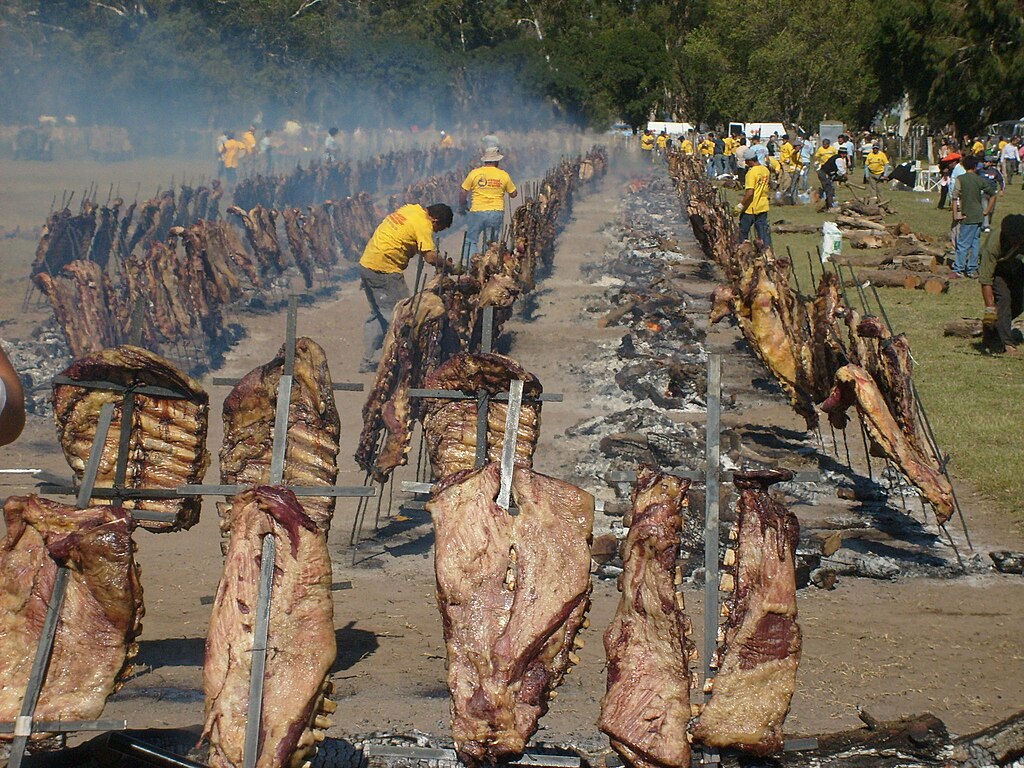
(975, 400)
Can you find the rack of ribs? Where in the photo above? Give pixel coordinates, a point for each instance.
(450, 425)
(855, 387)
(758, 661)
(314, 429)
(646, 708)
(301, 634)
(167, 446)
(509, 627)
(100, 618)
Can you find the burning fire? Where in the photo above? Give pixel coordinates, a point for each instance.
(653, 326)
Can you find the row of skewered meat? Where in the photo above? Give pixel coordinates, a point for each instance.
(96, 638)
(802, 343)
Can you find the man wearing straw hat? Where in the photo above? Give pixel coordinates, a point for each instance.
(489, 185)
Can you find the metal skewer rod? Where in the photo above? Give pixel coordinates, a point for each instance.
(508, 448)
(259, 654)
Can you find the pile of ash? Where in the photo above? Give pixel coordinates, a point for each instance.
(37, 361)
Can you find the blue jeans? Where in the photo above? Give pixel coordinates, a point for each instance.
(718, 165)
(968, 248)
(486, 223)
(760, 223)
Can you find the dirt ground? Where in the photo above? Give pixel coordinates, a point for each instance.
(947, 646)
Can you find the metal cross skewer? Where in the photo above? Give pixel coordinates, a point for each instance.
(508, 448)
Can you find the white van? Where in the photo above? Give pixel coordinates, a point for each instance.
(764, 130)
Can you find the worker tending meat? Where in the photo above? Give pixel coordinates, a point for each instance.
(646, 708)
(300, 640)
(100, 617)
(401, 235)
(757, 664)
(509, 627)
(450, 426)
(167, 446)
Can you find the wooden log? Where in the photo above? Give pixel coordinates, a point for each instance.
(900, 278)
(911, 741)
(999, 744)
(859, 222)
(616, 314)
(862, 238)
(965, 328)
(784, 228)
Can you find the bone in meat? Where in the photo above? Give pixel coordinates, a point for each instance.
(646, 708)
(757, 670)
(509, 627)
(300, 642)
(854, 386)
(167, 446)
(100, 618)
(450, 426)
(311, 453)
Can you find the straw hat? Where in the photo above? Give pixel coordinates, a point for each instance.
(491, 155)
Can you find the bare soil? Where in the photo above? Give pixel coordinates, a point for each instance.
(948, 646)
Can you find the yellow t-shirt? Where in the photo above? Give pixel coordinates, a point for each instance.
(875, 162)
(774, 165)
(758, 179)
(978, 148)
(488, 185)
(707, 147)
(822, 154)
(687, 147)
(402, 234)
(647, 141)
(662, 141)
(786, 156)
(730, 145)
(249, 140)
(230, 151)
(447, 141)
(1002, 143)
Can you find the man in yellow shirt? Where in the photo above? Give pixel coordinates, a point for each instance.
(753, 208)
(230, 151)
(686, 145)
(824, 153)
(662, 142)
(978, 147)
(446, 141)
(786, 166)
(875, 162)
(402, 234)
(647, 143)
(488, 184)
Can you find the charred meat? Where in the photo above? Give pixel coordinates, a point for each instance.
(301, 645)
(508, 626)
(646, 709)
(757, 664)
(167, 445)
(101, 614)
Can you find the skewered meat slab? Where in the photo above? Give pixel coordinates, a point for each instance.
(757, 670)
(509, 627)
(311, 453)
(854, 386)
(300, 642)
(411, 349)
(646, 709)
(450, 425)
(82, 300)
(167, 447)
(100, 618)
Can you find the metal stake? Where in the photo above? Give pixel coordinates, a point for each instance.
(508, 449)
(259, 654)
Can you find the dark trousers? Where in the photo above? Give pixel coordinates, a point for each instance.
(1008, 287)
(760, 224)
(828, 189)
(382, 290)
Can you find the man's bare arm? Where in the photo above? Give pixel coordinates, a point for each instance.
(12, 418)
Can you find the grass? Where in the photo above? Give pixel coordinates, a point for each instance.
(975, 401)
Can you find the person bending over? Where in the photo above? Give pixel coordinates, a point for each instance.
(400, 236)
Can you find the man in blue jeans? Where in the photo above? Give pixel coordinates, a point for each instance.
(488, 186)
(969, 212)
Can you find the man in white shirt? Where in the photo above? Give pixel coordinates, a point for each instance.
(1008, 159)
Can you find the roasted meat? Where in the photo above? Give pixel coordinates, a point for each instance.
(100, 618)
(167, 447)
(854, 386)
(509, 627)
(646, 709)
(450, 425)
(757, 664)
(83, 301)
(827, 353)
(311, 453)
(300, 642)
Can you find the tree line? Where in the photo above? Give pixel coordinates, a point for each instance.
(447, 62)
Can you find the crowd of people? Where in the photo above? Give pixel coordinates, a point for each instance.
(974, 174)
